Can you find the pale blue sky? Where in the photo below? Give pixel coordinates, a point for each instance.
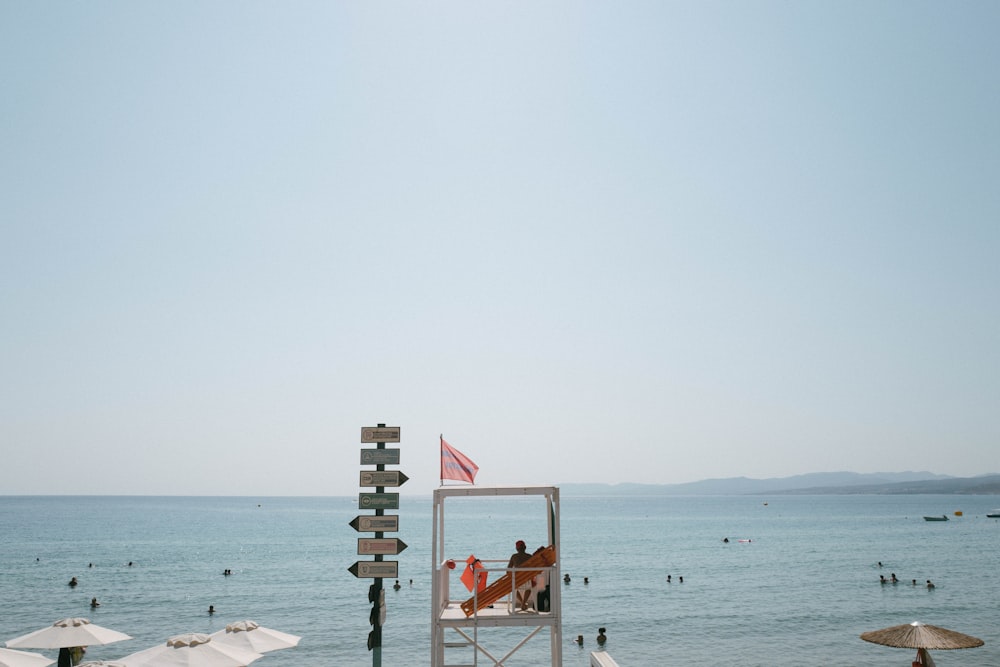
(586, 241)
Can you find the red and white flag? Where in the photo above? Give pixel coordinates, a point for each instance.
(456, 465)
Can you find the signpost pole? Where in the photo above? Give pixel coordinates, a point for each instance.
(379, 591)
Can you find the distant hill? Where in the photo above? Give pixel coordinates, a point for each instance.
(820, 483)
(982, 485)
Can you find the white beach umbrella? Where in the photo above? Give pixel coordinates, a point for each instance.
(11, 658)
(250, 636)
(66, 633)
(191, 650)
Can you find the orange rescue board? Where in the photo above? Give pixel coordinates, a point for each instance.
(503, 585)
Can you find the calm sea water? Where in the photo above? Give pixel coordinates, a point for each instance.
(799, 593)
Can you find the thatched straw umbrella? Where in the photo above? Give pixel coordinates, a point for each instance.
(921, 637)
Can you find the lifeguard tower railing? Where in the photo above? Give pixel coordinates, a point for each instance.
(472, 636)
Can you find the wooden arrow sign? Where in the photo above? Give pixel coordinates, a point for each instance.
(384, 546)
(388, 523)
(375, 569)
(383, 478)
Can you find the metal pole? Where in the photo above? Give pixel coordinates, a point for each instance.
(377, 651)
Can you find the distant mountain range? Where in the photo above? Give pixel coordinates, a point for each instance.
(818, 483)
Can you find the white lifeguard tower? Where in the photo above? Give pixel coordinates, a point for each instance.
(466, 630)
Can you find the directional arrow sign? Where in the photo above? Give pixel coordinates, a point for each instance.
(378, 501)
(375, 569)
(376, 524)
(379, 434)
(386, 546)
(374, 457)
(382, 478)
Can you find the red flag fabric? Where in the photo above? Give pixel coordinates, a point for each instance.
(456, 465)
(472, 573)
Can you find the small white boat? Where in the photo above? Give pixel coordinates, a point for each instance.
(993, 514)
